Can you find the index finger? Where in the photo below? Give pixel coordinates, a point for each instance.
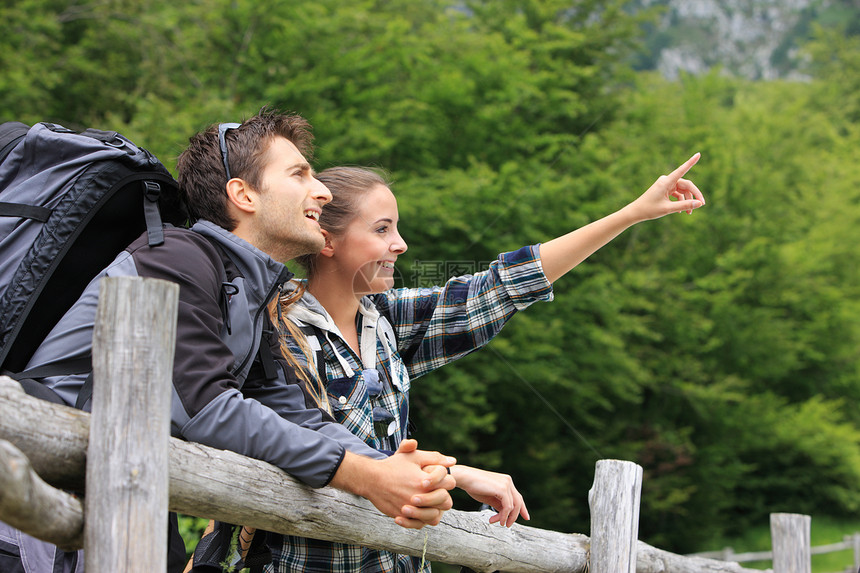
(436, 478)
(682, 170)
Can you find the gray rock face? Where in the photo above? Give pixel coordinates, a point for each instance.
(758, 39)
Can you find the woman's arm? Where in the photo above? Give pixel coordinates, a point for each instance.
(434, 326)
(669, 194)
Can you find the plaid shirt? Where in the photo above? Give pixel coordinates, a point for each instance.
(403, 334)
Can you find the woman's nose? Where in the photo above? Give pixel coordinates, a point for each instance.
(398, 245)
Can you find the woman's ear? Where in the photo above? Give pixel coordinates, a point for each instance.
(240, 196)
(328, 249)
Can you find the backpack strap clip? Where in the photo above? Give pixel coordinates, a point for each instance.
(154, 228)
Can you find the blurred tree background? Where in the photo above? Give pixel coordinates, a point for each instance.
(718, 350)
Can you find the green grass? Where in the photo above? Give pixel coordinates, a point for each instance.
(823, 531)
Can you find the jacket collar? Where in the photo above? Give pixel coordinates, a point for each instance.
(261, 271)
(308, 310)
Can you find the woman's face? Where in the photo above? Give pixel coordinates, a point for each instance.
(369, 247)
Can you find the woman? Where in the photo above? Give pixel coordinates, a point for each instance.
(366, 340)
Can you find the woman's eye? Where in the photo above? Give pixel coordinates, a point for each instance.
(382, 229)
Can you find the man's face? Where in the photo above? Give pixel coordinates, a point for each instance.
(290, 200)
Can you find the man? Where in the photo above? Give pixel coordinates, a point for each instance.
(256, 203)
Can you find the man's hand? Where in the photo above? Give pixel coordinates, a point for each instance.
(399, 486)
(495, 489)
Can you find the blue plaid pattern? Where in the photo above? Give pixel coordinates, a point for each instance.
(431, 327)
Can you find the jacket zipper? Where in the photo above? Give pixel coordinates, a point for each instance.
(283, 277)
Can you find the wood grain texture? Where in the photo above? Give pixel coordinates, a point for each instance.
(31, 505)
(614, 500)
(212, 483)
(127, 462)
(791, 540)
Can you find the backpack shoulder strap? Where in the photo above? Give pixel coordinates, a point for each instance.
(11, 133)
(316, 357)
(29, 379)
(386, 326)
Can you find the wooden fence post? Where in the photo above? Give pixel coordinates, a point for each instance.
(125, 526)
(855, 540)
(791, 541)
(614, 501)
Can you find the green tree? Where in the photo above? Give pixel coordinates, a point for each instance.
(718, 350)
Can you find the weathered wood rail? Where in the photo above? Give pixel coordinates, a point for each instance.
(45, 448)
(849, 543)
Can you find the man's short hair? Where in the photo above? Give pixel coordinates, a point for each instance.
(202, 177)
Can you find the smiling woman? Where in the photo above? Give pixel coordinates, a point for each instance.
(367, 249)
(366, 341)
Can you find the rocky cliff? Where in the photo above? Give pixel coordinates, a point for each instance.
(758, 39)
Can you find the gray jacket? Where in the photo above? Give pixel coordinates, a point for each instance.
(222, 393)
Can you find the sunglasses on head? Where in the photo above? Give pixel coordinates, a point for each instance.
(223, 128)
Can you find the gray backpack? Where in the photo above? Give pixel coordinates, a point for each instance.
(69, 203)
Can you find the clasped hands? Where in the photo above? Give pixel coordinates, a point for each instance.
(433, 498)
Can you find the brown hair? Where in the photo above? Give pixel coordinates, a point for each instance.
(347, 185)
(202, 177)
(286, 328)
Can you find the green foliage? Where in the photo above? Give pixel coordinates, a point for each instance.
(716, 350)
(750, 303)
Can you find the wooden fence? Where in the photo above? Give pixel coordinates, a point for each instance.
(134, 472)
(849, 542)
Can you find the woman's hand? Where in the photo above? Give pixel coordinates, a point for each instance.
(669, 194)
(495, 489)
